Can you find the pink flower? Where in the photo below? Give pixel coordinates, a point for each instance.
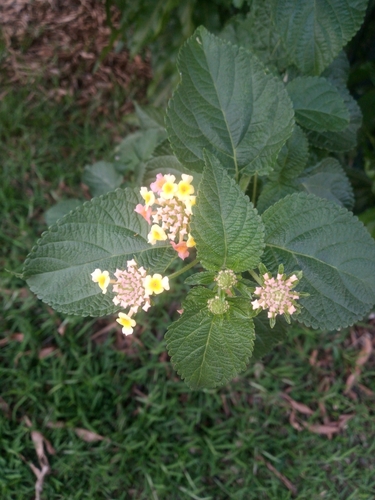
(277, 296)
(181, 248)
(145, 212)
(157, 186)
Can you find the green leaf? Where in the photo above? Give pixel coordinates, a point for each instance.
(338, 71)
(61, 208)
(150, 117)
(332, 249)
(136, 148)
(266, 338)
(227, 229)
(227, 104)
(317, 104)
(256, 32)
(293, 157)
(209, 350)
(328, 180)
(315, 32)
(274, 191)
(101, 177)
(202, 278)
(345, 140)
(103, 233)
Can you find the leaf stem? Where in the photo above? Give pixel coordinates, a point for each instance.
(253, 198)
(184, 269)
(244, 182)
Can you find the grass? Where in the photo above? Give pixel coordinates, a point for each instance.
(162, 441)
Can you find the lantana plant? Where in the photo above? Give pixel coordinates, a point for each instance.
(248, 190)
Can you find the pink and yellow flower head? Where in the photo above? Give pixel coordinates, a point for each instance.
(170, 212)
(132, 288)
(277, 295)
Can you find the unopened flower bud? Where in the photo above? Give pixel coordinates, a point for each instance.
(226, 279)
(217, 305)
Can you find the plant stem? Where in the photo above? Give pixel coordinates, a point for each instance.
(256, 277)
(253, 198)
(186, 268)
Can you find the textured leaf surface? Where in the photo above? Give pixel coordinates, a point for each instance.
(315, 32)
(136, 148)
(228, 105)
(101, 177)
(256, 32)
(227, 229)
(209, 350)
(104, 233)
(275, 191)
(292, 158)
(150, 117)
(317, 104)
(335, 253)
(328, 180)
(202, 278)
(346, 139)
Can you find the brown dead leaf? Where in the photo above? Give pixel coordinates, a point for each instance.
(4, 407)
(366, 390)
(17, 337)
(300, 407)
(88, 436)
(366, 351)
(331, 427)
(362, 359)
(313, 357)
(55, 425)
(39, 442)
(46, 351)
(278, 474)
(293, 421)
(323, 429)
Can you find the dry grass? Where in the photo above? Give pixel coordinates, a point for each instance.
(61, 42)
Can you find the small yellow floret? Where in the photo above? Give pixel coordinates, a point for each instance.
(102, 278)
(190, 241)
(126, 322)
(155, 284)
(148, 196)
(184, 187)
(156, 234)
(169, 188)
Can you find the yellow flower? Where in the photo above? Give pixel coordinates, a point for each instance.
(156, 234)
(169, 188)
(184, 187)
(190, 241)
(126, 322)
(189, 202)
(148, 196)
(102, 278)
(155, 284)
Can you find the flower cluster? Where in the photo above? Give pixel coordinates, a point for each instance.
(169, 205)
(133, 288)
(226, 279)
(277, 295)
